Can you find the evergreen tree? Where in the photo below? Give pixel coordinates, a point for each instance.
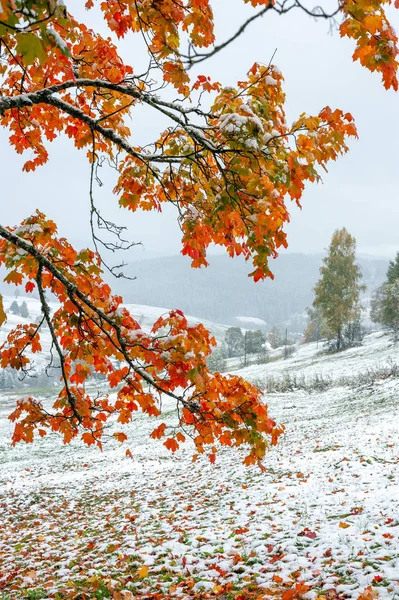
(353, 333)
(14, 308)
(23, 310)
(216, 361)
(3, 383)
(235, 341)
(337, 293)
(393, 270)
(8, 379)
(254, 341)
(385, 301)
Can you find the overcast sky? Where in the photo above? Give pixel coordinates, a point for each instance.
(360, 192)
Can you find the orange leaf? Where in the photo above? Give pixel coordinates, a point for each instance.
(158, 432)
(288, 595)
(3, 316)
(171, 444)
(88, 438)
(368, 594)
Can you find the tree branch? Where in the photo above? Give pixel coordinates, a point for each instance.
(73, 291)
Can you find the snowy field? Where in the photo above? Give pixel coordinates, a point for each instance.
(322, 521)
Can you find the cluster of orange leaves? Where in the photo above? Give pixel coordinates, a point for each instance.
(376, 41)
(242, 205)
(97, 335)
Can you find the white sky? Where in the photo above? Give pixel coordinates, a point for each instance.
(360, 191)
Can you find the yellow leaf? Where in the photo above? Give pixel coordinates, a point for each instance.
(143, 571)
(3, 316)
(344, 525)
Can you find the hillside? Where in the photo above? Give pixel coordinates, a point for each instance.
(145, 315)
(223, 291)
(321, 520)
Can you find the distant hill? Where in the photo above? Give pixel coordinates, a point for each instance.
(145, 315)
(223, 291)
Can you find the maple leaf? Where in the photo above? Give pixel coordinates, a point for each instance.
(14, 277)
(88, 438)
(368, 594)
(171, 444)
(296, 592)
(308, 533)
(3, 316)
(159, 431)
(143, 571)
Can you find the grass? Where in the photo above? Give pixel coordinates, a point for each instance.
(291, 382)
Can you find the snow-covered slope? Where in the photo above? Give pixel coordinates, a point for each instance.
(325, 512)
(311, 361)
(145, 315)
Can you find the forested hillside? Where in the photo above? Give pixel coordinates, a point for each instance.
(222, 292)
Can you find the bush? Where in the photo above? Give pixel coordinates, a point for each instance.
(216, 361)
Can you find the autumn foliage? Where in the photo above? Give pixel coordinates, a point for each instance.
(228, 169)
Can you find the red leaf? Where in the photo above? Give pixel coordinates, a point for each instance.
(171, 444)
(308, 533)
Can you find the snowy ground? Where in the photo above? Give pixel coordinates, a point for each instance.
(325, 512)
(310, 360)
